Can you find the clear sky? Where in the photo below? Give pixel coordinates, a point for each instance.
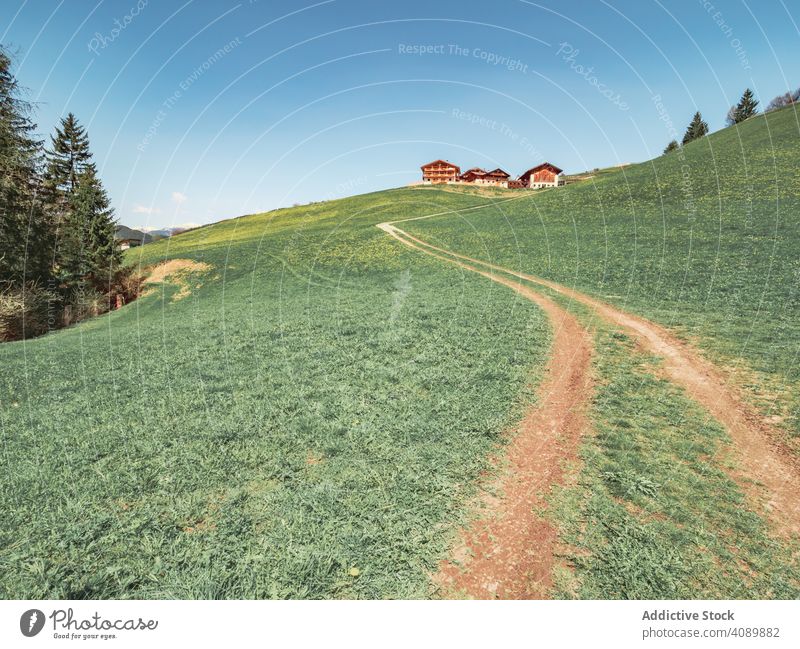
(201, 110)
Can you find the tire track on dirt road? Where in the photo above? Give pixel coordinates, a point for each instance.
(770, 473)
(508, 552)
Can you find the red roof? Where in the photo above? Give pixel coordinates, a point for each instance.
(498, 173)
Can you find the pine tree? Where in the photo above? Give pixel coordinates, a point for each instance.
(106, 255)
(746, 108)
(89, 247)
(86, 227)
(671, 147)
(69, 156)
(697, 128)
(25, 232)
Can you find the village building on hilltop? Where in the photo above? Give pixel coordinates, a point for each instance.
(440, 171)
(443, 171)
(543, 175)
(473, 175)
(497, 177)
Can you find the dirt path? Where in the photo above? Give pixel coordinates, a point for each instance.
(508, 552)
(770, 473)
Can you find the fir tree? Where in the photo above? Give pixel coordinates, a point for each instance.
(671, 147)
(69, 156)
(89, 247)
(25, 232)
(697, 128)
(747, 107)
(86, 227)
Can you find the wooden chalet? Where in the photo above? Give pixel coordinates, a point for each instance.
(440, 171)
(543, 175)
(496, 177)
(472, 175)
(516, 184)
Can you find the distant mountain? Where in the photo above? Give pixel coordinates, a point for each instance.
(130, 236)
(166, 232)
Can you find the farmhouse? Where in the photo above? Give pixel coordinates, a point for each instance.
(443, 171)
(472, 175)
(440, 171)
(543, 175)
(496, 177)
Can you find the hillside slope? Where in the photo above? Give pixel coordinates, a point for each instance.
(308, 421)
(671, 501)
(704, 240)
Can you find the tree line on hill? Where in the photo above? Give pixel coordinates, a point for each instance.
(59, 260)
(745, 109)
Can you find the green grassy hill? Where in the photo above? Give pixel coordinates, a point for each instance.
(308, 422)
(311, 419)
(705, 241)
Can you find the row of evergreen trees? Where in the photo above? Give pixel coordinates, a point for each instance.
(57, 242)
(698, 127)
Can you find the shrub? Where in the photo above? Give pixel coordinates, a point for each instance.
(84, 302)
(28, 311)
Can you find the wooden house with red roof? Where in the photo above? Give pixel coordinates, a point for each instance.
(472, 175)
(440, 171)
(496, 177)
(543, 175)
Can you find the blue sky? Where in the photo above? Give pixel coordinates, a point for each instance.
(202, 110)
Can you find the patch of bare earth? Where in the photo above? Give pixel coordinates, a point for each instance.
(769, 472)
(509, 551)
(175, 271)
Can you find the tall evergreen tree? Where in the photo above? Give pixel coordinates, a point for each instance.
(25, 232)
(671, 147)
(86, 225)
(746, 108)
(89, 247)
(697, 128)
(68, 156)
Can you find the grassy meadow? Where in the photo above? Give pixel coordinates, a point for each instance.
(308, 422)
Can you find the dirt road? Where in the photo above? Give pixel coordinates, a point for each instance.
(769, 473)
(508, 551)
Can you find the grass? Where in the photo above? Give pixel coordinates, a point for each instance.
(655, 513)
(308, 422)
(713, 257)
